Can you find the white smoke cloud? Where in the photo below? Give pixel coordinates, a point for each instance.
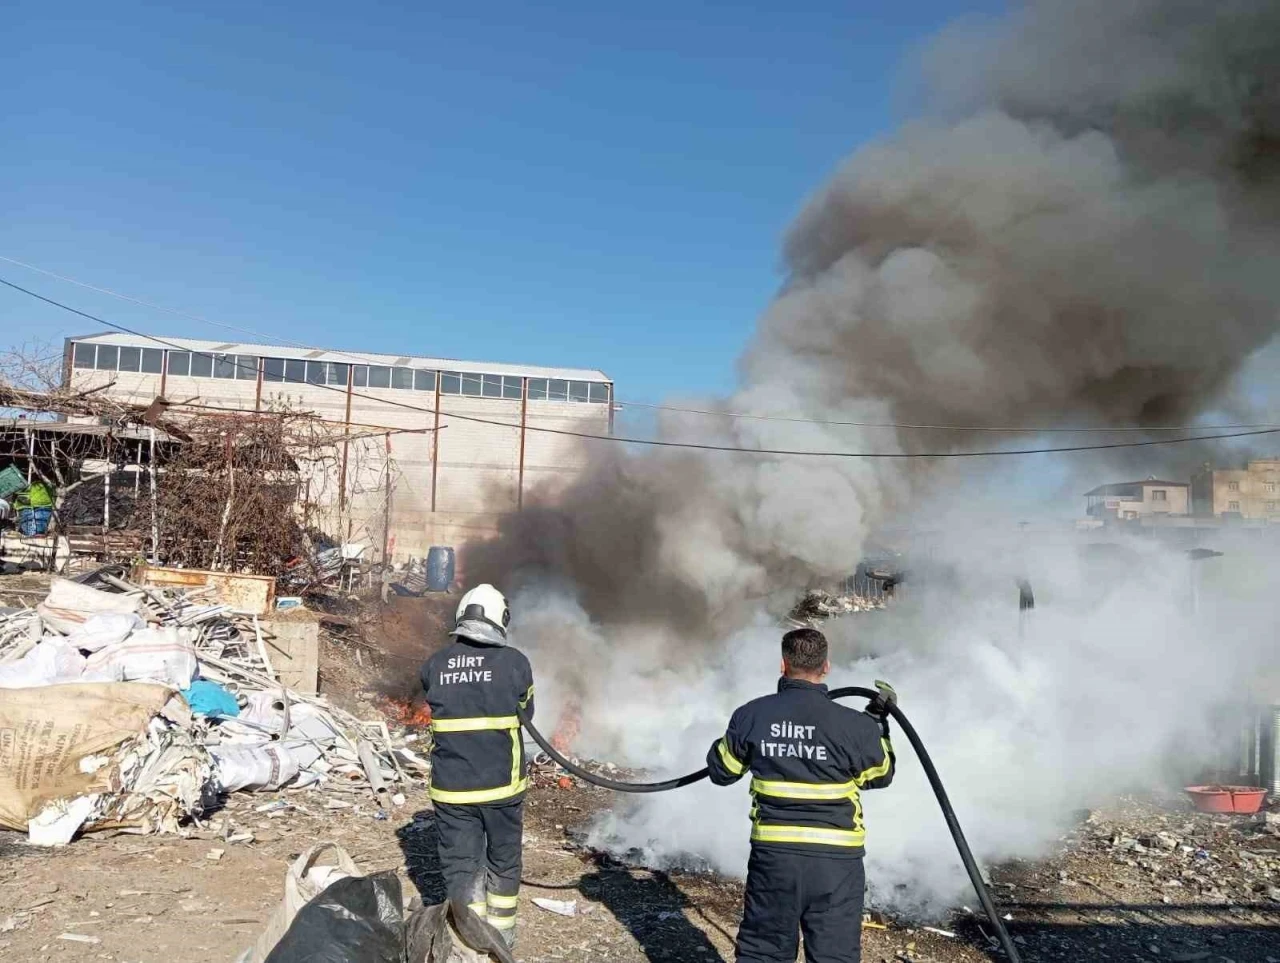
(1112, 686)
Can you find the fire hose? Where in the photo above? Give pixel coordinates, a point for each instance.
(953, 824)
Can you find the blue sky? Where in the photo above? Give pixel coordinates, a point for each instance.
(582, 184)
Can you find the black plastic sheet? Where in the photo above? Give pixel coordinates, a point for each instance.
(356, 920)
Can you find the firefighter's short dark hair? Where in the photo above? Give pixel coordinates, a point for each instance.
(804, 649)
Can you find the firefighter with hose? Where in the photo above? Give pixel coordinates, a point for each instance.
(474, 687)
(809, 758)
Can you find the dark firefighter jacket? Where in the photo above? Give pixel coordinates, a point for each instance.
(809, 759)
(473, 690)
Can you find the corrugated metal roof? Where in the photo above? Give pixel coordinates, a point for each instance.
(345, 357)
(1122, 488)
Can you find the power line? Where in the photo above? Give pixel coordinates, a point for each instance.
(694, 446)
(266, 340)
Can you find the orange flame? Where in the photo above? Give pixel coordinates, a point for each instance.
(406, 713)
(567, 731)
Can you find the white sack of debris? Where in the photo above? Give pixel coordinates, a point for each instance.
(159, 655)
(100, 631)
(97, 756)
(69, 605)
(263, 767)
(48, 663)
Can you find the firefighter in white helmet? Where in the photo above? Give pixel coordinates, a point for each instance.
(478, 766)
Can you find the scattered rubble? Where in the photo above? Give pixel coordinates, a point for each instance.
(115, 639)
(819, 606)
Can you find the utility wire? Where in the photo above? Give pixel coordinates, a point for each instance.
(265, 341)
(693, 446)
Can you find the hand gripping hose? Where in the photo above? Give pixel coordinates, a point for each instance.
(953, 824)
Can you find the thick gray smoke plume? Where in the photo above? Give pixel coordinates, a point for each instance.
(1082, 228)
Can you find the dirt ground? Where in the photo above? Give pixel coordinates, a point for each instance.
(156, 900)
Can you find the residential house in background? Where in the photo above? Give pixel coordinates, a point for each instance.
(1249, 493)
(1138, 500)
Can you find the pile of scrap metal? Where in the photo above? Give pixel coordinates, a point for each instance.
(133, 707)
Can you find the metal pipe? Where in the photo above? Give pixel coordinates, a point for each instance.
(435, 442)
(1249, 773)
(155, 515)
(524, 421)
(1270, 746)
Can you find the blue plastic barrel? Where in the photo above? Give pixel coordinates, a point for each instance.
(35, 521)
(440, 564)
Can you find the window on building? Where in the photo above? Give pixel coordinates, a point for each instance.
(82, 354)
(1233, 506)
(450, 383)
(424, 380)
(512, 387)
(201, 365)
(599, 392)
(180, 363)
(224, 366)
(557, 390)
(338, 373)
(108, 356)
(402, 378)
(1233, 486)
(1271, 506)
(130, 359)
(578, 391)
(247, 367)
(472, 384)
(273, 370)
(1159, 495)
(152, 360)
(379, 376)
(295, 371)
(1271, 487)
(537, 389)
(360, 375)
(317, 372)
(491, 386)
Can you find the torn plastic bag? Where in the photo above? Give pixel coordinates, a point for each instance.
(356, 920)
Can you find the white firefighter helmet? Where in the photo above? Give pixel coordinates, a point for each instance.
(483, 616)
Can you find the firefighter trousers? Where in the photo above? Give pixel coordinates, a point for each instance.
(790, 893)
(480, 850)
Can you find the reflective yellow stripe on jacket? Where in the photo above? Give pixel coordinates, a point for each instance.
(516, 786)
(805, 790)
(477, 724)
(880, 770)
(822, 835)
(730, 760)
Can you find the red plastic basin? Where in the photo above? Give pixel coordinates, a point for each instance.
(1227, 799)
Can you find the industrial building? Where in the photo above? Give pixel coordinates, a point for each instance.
(413, 468)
